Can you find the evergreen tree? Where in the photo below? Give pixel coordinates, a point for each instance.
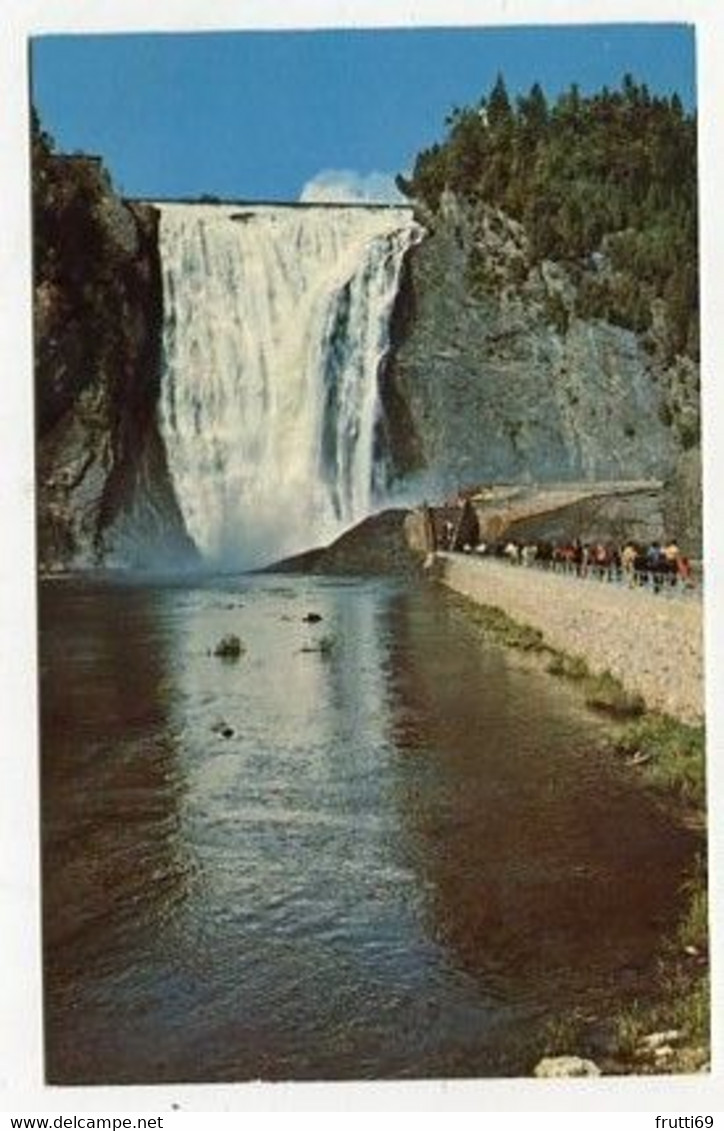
(500, 114)
(612, 173)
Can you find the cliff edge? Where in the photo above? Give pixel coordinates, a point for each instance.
(104, 494)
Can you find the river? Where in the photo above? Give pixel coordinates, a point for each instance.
(371, 847)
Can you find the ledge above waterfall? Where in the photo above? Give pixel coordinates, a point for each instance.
(258, 205)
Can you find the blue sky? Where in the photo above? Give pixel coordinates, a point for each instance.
(259, 115)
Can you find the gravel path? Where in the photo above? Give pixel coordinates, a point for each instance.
(651, 642)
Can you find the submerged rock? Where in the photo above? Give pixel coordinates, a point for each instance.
(224, 729)
(323, 646)
(229, 647)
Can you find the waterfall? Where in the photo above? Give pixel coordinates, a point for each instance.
(275, 327)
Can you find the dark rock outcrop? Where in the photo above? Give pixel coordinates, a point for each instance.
(378, 546)
(104, 494)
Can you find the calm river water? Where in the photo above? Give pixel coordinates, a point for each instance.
(404, 861)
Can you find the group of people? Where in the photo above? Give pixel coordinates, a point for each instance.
(656, 565)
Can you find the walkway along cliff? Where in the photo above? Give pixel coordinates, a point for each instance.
(652, 643)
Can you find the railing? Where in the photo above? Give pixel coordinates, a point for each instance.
(655, 581)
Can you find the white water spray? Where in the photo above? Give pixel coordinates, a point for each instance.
(275, 326)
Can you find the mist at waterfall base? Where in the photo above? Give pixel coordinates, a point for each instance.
(275, 331)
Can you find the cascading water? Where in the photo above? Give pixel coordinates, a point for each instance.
(275, 326)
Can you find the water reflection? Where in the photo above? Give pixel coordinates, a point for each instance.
(384, 859)
(549, 873)
(114, 867)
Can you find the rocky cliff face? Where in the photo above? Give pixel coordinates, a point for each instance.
(104, 494)
(682, 502)
(496, 377)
